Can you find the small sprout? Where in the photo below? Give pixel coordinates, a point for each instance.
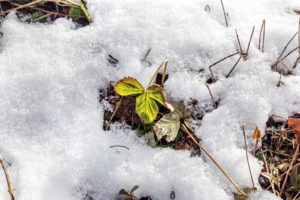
(146, 100)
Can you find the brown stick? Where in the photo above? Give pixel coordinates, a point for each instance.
(290, 168)
(246, 149)
(289, 71)
(237, 62)
(207, 8)
(117, 107)
(212, 74)
(149, 50)
(262, 30)
(10, 188)
(211, 96)
(279, 82)
(238, 39)
(183, 127)
(224, 13)
(22, 6)
(246, 54)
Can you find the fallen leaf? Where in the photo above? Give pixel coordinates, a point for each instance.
(168, 126)
(295, 124)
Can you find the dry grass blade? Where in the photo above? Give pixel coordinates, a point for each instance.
(246, 54)
(224, 13)
(290, 168)
(22, 6)
(9, 185)
(116, 109)
(211, 96)
(207, 8)
(262, 33)
(246, 150)
(156, 72)
(237, 62)
(238, 39)
(184, 128)
(212, 74)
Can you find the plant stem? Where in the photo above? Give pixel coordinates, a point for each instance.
(10, 188)
(184, 128)
(156, 72)
(117, 107)
(246, 150)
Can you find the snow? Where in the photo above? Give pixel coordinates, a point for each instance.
(51, 120)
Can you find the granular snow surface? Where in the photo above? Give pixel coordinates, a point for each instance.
(51, 119)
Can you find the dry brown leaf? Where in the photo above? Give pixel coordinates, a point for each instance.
(295, 124)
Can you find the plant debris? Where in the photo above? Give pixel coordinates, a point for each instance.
(280, 154)
(46, 10)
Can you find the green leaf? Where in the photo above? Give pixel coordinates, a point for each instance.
(128, 86)
(168, 126)
(146, 108)
(156, 92)
(85, 12)
(37, 15)
(76, 12)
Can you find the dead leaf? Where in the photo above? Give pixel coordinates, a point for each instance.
(168, 126)
(295, 124)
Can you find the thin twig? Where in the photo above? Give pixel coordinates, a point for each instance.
(289, 53)
(212, 74)
(117, 107)
(288, 70)
(290, 168)
(279, 82)
(262, 32)
(246, 150)
(246, 54)
(224, 13)
(156, 72)
(207, 8)
(10, 188)
(237, 62)
(149, 50)
(238, 39)
(211, 96)
(119, 146)
(22, 6)
(184, 128)
(41, 17)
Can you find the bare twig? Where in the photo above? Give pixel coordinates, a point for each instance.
(246, 54)
(10, 188)
(41, 17)
(280, 82)
(119, 146)
(298, 59)
(112, 116)
(211, 96)
(224, 13)
(207, 8)
(237, 62)
(238, 39)
(156, 72)
(289, 71)
(246, 149)
(290, 168)
(277, 60)
(262, 32)
(22, 6)
(184, 128)
(149, 50)
(212, 74)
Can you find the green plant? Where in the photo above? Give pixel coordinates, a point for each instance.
(148, 102)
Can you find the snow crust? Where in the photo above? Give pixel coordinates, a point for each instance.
(51, 120)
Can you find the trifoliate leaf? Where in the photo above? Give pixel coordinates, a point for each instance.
(146, 108)
(128, 86)
(168, 126)
(256, 135)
